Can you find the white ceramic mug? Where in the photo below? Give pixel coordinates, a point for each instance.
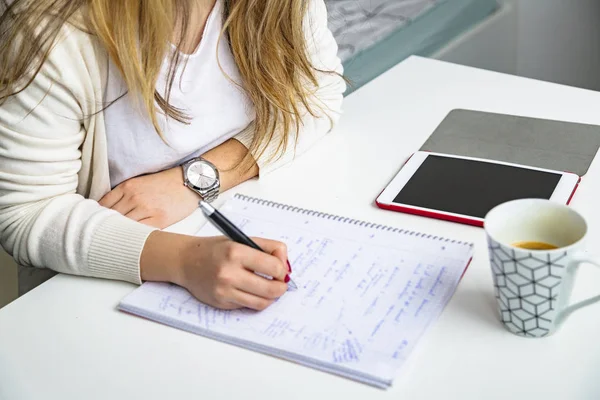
(533, 287)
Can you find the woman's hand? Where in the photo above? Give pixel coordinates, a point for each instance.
(158, 200)
(221, 273)
(161, 199)
(216, 270)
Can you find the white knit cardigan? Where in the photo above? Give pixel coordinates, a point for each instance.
(53, 158)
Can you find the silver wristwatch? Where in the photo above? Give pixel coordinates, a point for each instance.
(202, 177)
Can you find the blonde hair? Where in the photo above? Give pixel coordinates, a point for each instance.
(266, 38)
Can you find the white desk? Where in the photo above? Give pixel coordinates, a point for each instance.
(65, 340)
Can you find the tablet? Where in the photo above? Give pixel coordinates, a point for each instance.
(464, 189)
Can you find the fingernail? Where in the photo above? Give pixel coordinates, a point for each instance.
(287, 278)
(289, 266)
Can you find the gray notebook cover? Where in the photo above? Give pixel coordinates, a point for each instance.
(561, 146)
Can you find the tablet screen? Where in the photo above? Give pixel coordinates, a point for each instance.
(471, 187)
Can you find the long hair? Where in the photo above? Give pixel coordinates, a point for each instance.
(266, 38)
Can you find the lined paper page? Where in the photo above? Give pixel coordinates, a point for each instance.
(366, 293)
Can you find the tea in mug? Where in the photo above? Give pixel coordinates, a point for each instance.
(535, 245)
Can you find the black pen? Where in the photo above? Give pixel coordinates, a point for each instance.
(230, 230)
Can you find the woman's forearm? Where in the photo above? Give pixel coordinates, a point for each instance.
(227, 158)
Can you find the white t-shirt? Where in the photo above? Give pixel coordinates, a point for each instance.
(218, 109)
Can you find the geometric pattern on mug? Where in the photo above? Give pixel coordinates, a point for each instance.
(527, 289)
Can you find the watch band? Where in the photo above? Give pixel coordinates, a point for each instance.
(210, 195)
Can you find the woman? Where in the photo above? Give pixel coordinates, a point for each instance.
(105, 103)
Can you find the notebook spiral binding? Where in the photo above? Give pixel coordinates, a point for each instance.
(346, 220)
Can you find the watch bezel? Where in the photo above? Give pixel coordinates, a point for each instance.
(191, 185)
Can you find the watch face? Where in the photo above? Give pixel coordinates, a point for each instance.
(201, 175)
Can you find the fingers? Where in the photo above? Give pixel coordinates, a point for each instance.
(261, 287)
(124, 206)
(248, 300)
(116, 200)
(258, 261)
(154, 222)
(273, 247)
(111, 198)
(138, 214)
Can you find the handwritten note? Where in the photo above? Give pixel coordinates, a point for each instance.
(366, 293)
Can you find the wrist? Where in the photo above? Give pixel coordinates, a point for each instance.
(228, 158)
(163, 257)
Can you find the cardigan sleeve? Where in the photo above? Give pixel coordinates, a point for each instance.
(43, 221)
(326, 99)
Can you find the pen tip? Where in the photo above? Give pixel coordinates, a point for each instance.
(292, 285)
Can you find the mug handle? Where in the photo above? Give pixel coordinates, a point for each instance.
(576, 260)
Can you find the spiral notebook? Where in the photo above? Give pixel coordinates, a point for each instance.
(366, 292)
